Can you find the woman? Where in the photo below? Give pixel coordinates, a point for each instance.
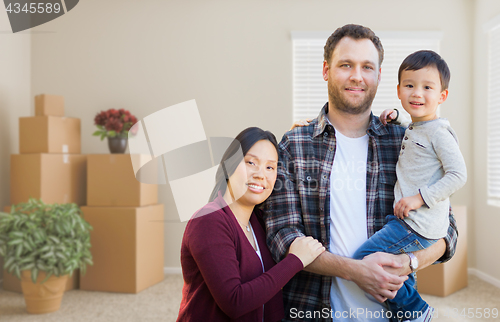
(229, 274)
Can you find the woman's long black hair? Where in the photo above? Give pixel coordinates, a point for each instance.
(231, 159)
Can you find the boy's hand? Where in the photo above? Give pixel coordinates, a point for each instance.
(301, 123)
(387, 116)
(404, 205)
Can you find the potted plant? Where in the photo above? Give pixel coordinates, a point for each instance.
(42, 244)
(114, 124)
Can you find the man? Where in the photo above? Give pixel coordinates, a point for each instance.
(336, 183)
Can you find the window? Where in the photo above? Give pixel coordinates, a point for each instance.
(493, 130)
(310, 90)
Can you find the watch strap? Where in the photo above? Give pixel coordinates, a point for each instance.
(413, 262)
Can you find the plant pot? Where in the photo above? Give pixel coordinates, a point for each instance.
(117, 144)
(42, 298)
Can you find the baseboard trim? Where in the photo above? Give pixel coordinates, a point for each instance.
(172, 270)
(485, 277)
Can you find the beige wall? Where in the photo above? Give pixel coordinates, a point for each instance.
(15, 101)
(486, 218)
(233, 57)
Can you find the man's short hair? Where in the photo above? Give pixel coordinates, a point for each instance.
(425, 58)
(354, 32)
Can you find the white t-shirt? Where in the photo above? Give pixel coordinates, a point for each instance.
(348, 228)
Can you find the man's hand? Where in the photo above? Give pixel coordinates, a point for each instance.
(387, 116)
(371, 277)
(406, 204)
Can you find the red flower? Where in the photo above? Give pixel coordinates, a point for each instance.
(114, 124)
(123, 112)
(115, 120)
(100, 119)
(113, 113)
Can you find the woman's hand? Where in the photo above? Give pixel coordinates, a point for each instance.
(388, 116)
(301, 123)
(306, 249)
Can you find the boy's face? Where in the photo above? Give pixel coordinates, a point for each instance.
(420, 93)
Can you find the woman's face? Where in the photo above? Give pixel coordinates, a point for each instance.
(253, 180)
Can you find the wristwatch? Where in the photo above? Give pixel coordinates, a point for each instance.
(413, 262)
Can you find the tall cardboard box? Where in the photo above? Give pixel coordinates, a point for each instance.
(49, 134)
(49, 105)
(127, 248)
(13, 284)
(55, 178)
(447, 278)
(111, 182)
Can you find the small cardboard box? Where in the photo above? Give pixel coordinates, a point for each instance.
(55, 178)
(111, 182)
(127, 248)
(447, 278)
(13, 284)
(49, 105)
(49, 134)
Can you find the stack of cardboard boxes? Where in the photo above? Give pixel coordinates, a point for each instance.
(128, 235)
(49, 166)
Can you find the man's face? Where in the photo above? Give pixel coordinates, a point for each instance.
(353, 75)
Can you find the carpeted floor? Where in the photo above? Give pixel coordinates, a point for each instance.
(161, 303)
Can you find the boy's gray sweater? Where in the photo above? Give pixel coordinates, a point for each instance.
(430, 163)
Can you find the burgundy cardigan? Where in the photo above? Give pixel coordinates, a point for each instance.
(223, 278)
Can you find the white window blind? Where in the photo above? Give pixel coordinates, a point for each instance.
(493, 131)
(310, 91)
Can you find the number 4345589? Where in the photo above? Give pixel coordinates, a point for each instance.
(471, 313)
(34, 8)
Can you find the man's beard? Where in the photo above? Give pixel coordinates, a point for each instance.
(339, 101)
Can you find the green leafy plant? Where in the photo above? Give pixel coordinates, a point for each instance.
(53, 238)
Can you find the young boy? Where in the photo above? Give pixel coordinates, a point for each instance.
(430, 168)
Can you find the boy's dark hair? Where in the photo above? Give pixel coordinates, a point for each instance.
(425, 58)
(355, 32)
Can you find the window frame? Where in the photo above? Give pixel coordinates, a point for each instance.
(492, 29)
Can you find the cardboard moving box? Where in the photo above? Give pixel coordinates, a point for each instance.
(49, 105)
(55, 178)
(49, 134)
(447, 278)
(111, 182)
(127, 248)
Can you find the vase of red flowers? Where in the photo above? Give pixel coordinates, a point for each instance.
(115, 125)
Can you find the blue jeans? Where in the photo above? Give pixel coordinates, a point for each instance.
(397, 237)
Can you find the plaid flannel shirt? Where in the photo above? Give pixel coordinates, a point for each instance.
(300, 202)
